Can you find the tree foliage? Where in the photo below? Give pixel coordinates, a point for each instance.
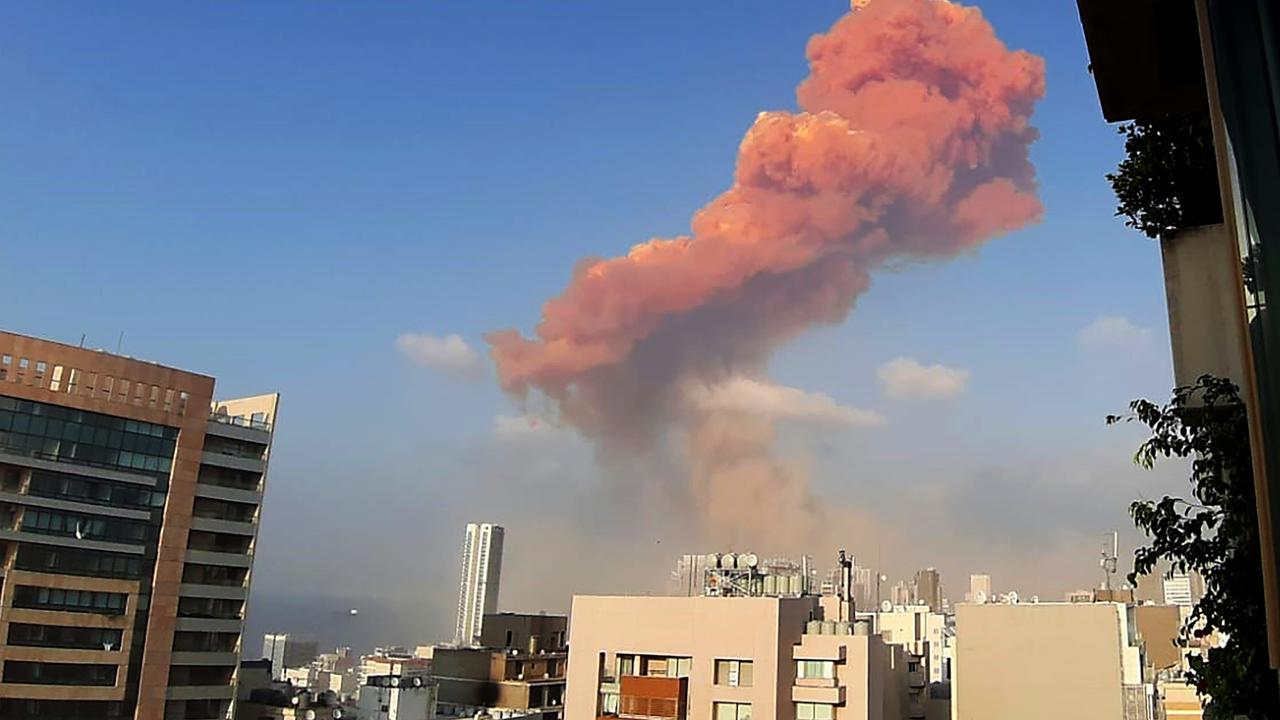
(1214, 534)
(1169, 177)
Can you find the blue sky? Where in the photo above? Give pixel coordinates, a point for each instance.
(272, 193)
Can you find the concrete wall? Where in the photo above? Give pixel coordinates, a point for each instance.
(1202, 288)
(545, 628)
(1047, 661)
(1158, 626)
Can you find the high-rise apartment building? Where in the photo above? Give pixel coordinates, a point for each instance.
(128, 514)
(481, 568)
(287, 651)
(928, 589)
(979, 589)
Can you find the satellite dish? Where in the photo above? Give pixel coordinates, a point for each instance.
(79, 531)
(310, 715)
(355, 611)
(108, 646)
(1035, 599)
(337, 714)
(395, 682)
(980, 597)
(1012, 598)
(886, 606)
(416, 682)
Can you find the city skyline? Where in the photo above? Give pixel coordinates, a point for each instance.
(387, 233)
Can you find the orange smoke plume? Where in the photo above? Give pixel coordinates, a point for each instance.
(912, 143)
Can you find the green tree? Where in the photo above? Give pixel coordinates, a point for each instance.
(1169, 177)
(1215, 533)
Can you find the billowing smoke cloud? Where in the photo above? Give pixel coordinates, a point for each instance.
(911, 144)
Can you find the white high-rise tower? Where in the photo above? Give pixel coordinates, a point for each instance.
(478, 591)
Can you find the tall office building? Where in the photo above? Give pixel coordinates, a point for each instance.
(478, 593)
(928, 589)
(287, 651)
(128, 515)
(979, 589)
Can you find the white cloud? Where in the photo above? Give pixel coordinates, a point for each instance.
(519, 428)
(449, 354)
(741, 394)
(906, 377)
(1113, 332)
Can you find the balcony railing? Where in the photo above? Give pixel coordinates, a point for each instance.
(240, 421)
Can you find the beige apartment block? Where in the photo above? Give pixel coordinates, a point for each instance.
(1049, 661)
(128, 515)
(726, 658)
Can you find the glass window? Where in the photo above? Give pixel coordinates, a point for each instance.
(815, 669)
(814, 711)
(626, 665)
(731, 711)
(735, 673)
(76, 436)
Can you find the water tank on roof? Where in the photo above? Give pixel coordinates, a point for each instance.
(748, 560)
(729, 561)
(713, 560)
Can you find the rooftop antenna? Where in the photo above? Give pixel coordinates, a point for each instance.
(82, 339)
(120, 342)
(1110, 549)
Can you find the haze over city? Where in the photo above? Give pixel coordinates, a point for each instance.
(232, 195)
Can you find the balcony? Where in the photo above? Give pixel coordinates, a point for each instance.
(653, 698)
(233, 462)
(220, 659)
(830, 695)
(231, 527)
(211, 557)
(238, 427)
(916, 679)
(200, 692)
(810, 648)
(221, 592)
(219, 492)
(222, 625)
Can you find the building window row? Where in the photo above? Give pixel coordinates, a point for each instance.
(23, 709)
(223, 510)
(734, 673)
(654, 666)
(69, 561)
(64, 636)
(50, 522)
(86, 601)
(74, 381)
(197, 574)
(203, 675)
(217, 608)
(191, 641)
(731, 711)
(51, 673)
(93, 491)
(77, 436)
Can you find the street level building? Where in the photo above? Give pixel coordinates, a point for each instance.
(727, 658)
